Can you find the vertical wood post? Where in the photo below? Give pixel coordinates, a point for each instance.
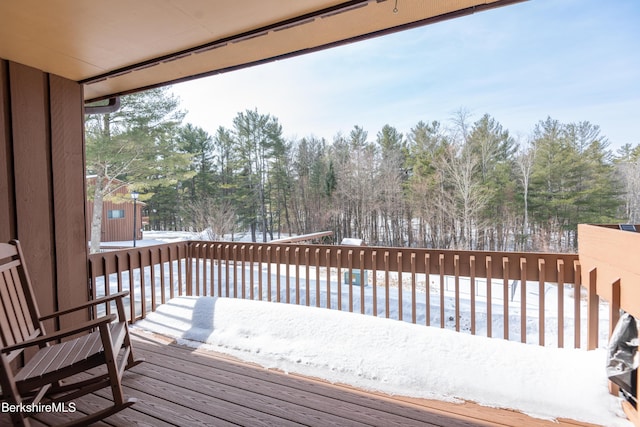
(614, 316)
(577, 291)
(592, 311)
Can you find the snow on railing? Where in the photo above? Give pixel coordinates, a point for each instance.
(469, 291)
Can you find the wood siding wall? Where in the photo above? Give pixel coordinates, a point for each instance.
(117, 229)
(42, 184)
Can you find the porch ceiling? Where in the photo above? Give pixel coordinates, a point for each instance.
(119, 46)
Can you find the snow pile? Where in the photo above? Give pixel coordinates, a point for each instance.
(396, 357)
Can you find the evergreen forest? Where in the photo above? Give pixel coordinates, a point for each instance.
(462, 184)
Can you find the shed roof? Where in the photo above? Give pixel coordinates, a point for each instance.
(119, 46)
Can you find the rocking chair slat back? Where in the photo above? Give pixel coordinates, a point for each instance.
(18, 317)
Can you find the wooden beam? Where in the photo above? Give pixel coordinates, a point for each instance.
(68, 182)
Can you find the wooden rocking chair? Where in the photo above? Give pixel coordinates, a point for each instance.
(44, 376)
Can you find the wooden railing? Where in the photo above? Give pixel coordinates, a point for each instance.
(151, 274)
(462, 290)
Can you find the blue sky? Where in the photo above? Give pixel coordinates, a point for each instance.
(572, 60)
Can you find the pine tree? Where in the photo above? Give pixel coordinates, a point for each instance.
(136, 146)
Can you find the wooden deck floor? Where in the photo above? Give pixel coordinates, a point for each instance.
(179, 386)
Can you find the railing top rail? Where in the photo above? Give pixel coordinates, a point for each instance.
(382, 249)
(551, 267)
(123, 259)
(304, 237)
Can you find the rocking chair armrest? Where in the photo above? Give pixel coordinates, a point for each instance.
(92, 324)
(87, 304)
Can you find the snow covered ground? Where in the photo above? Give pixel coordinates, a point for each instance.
(396, 357)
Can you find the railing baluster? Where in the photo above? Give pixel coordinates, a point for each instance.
(287, 266)
(339, 263)
(218, 267)
(560, 267)
(374, 282)
(170, 261)
(317, 267)
(363, 282)
(278, 284)
(489, 284)
(413, 287)
(252, 295)
(399, 261)
(505, 297)
(132, 293)
(198, 251)
(541, 301)
(307, 280)
(269, 273)
(163, 295)
(296, 258)
(523, 300)
(93, 285)
(261, 298)
(456, 280)
(143, 286)
(188, 266)
(119, 277)
(235, 270)
(350, 274)
(227, 287)
(206, 272)
(386, 283)
(180, 273)
(427, 284)
(212, 269)
(472, 290)
(152, 276)
(441, 265)
(328, 284)
(243, 272)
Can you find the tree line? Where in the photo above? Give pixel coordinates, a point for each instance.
(464, 184)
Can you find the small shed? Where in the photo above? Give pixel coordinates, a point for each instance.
(117, 215)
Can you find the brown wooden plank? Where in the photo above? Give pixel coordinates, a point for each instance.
(197, 408)
(420, 410)
(275, 398)
(127, 417)
(33, 186)
(275, 381)
(231, 400)
(68, 177)
(5, 420)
